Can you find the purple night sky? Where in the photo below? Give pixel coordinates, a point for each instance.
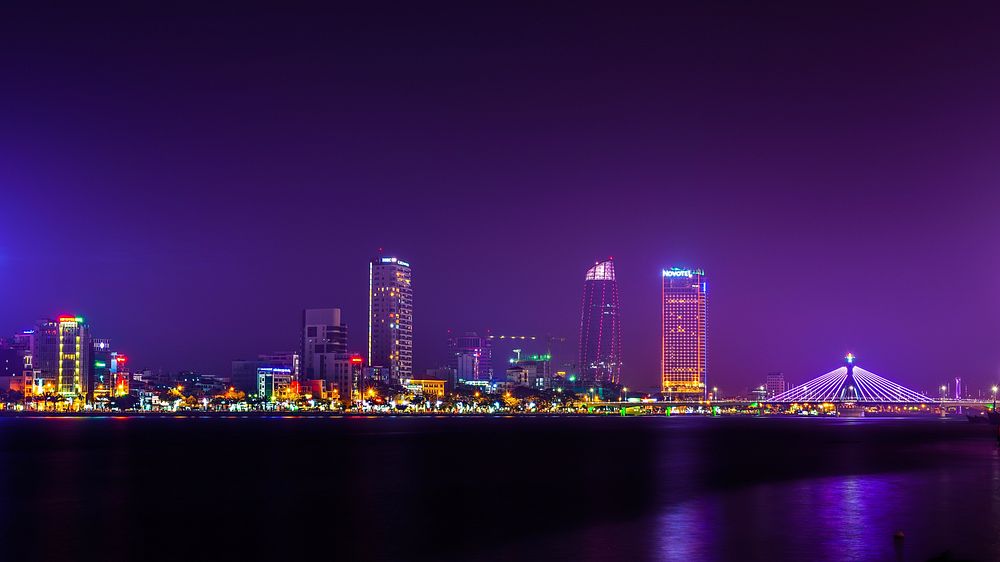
(190, 178)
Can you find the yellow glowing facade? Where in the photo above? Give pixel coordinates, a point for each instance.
(684, 350)
(428, 388)
(73, 356)
(390, 317)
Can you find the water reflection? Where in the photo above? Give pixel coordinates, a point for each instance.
(499, 489)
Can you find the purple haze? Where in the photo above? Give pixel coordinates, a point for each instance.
(190, 178)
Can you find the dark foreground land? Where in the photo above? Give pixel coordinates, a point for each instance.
(586, 488)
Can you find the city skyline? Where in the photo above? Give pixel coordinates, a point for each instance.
(684, 324)
(500, 281)
(342, 360)
(824, 198)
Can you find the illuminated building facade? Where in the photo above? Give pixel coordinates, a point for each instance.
(122, 378)
(73, 366)
(428, 388)
(600, 326)
(390, 317)
(345, 375)
(101, 381)
(245, 374)
(44, 358)
(534, 371)
(683, 357)
(471, 357)
(273, 383)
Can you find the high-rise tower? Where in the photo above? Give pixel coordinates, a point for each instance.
(390, 317)
(73, 366)
(471, 357)
(324, 336)
(600, 326)
(683, 352)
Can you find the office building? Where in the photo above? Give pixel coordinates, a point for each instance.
(432, 389)
(390, 317)
(324, 335)
(101, 381)
(471, 357)
(344, 376)
(683, 346)
(73, 367)
(274, 383)
(775, 384)
(533, 371)
(121, 374)
(243, 374)
(600, 326)
(45, 357)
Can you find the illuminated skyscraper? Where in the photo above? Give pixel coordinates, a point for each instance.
(390, 317)
(683, 352)
(600, 326)
(73, 366)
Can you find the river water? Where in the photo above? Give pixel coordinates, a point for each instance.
(500, 488)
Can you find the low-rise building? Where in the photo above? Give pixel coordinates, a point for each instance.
(428, 388)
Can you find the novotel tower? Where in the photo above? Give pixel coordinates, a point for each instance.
(390, 317)
(683, 351)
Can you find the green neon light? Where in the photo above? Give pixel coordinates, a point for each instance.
(100, 364)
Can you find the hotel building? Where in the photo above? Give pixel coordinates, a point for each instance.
(683, 350)
(390, 318)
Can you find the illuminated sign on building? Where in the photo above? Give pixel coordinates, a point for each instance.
(394, 260)
(678, 273)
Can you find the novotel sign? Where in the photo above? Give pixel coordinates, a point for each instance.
(678, 273)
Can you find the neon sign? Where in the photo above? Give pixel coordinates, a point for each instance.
(678, 273)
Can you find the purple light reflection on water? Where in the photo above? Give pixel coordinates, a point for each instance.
(851, 517)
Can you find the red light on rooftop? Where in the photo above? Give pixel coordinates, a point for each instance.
(357, 359)
(121, 358)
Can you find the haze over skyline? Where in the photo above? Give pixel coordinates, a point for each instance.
(190, 179)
